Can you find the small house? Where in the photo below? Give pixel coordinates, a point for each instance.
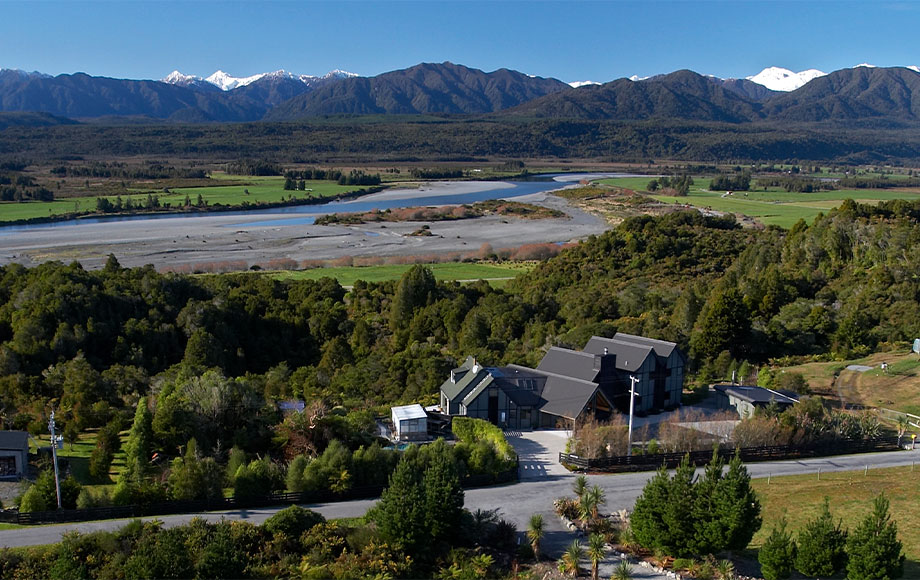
(745, 399)
(410, 422)
(14, 454)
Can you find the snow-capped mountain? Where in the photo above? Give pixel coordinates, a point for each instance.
(576, 84)
(228, 82)
(781, 79)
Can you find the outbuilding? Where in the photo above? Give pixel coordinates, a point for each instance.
(745, 399)
(14, 454)
(410, 422)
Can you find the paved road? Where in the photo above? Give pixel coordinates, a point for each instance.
(515, 501)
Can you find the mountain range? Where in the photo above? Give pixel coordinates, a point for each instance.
(860, 93)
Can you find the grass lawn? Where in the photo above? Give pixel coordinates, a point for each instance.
(78, 455)
(772, 207)
(446, 271)
(897, 389)
(261, 189)
(799, 497)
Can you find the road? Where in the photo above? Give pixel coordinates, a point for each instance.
(533, 494)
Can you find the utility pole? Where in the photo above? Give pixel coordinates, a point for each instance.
(632, 403)
(54, 442)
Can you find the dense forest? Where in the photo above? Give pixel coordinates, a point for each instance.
(391, 139)
(97, 341)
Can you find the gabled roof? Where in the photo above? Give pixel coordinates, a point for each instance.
(662, 348)
(569, 363)
(482, 379)
(755, 395)
(14, 440)
(409, 412)
(461, 377)
(566, 396)
(630, 355)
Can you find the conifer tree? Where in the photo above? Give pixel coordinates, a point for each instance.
(737, 507)
(400, 513)
(647, 518)
(777, 555)
(677, 515)
(873, 548)
(821, 545)
(443, 494)
(139, 445)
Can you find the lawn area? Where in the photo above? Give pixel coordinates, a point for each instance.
(898, 388)
(446, 271)
(233, 192)
(78, 455)
(799, 497)
(772, 207)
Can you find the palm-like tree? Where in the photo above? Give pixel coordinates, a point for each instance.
(623, 571)
(580, 486)
(597, 499)
(571, 558)
(903, 425)
(535, 532)
(597, 549)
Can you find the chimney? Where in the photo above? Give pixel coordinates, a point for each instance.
(453, 377)
(476, 367)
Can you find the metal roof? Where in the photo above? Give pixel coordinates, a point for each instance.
(14, 440)
(662, 348)
(630, 355)
(755, 395)
(570, 363)
(409, 412)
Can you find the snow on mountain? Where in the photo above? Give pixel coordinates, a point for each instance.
(635, 78)
(781, 79)
(177, 78)
(914, 68)
(227, 82)
(576, 84)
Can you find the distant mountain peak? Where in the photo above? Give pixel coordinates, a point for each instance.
(228, 82)
(780, 79)
(177, 78)
(576, 84)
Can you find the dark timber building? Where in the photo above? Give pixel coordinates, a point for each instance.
(569, 385)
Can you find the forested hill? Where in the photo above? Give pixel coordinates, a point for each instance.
(95, 341)
(424, 88)
(882, 94)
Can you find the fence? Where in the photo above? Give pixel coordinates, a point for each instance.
(623, 463)
(228, 503)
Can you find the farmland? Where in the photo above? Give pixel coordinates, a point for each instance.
(771, 207)
(235, 191)
(496, 274)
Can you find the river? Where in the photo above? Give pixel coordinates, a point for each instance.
(429, 194)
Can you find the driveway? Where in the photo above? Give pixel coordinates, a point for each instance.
(538, 452)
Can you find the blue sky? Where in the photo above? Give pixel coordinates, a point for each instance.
(571, 41)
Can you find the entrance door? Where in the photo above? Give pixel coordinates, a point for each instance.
(493, 407)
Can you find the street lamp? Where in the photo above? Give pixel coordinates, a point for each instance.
(54, 442)
(632, 403)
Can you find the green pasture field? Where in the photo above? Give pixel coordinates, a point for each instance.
(799, 498)
(261, 189)
(348, 275)
(771, 207)
(79, 453)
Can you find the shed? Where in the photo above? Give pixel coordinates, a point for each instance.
(410, 422)
(14, 454)
(745, 399)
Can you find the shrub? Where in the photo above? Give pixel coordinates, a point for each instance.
(257, 479)
(293, 521)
